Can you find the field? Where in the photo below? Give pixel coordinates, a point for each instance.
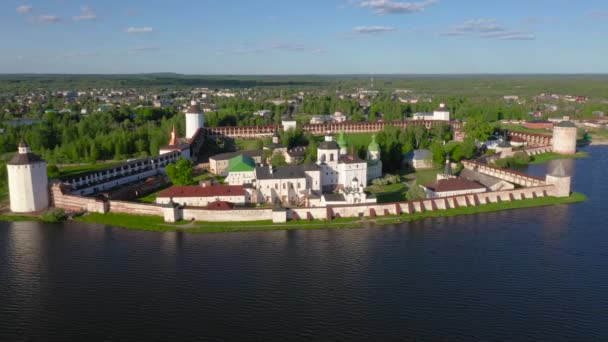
(444, 85)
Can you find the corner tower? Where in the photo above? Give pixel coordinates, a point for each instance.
(564, 137)
(28, 182)
(195, 119)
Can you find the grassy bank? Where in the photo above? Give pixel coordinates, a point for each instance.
(18, 218)
(152, 223)
(545, 157)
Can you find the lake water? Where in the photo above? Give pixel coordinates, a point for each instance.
(529, 274)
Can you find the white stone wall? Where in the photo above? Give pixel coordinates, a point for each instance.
(202, 201)
(433, 194)
(441, 115)
(183, 153)
(313, 180)
(28, 187)
(240, 178)
(193, 123)
(227, 215)
(285, 190)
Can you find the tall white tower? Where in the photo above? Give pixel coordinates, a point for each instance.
(195, 119)
(28, 183)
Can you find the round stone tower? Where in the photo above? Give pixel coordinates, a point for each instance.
(564, 137)
(560, 180)
(28, 183)
(195, 119)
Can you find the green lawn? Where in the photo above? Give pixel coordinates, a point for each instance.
(545, 157)
(389, 193)
(422, 177)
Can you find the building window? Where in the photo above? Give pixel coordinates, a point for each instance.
(331, 157)
(283, 186)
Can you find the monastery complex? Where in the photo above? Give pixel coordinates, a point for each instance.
(332, 186)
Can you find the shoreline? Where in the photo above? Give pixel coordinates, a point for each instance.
(157, 224)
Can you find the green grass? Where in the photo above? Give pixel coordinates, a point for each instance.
(153, 223)
(388, 193)
(70, 171)
(422, 177)
(18, 218)
(545, 157)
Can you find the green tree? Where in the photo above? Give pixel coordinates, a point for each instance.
(180, 172)
(478, 128)
(278, 160)
(415, 193)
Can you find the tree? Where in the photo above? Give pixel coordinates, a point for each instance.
(415, 193)
(478, 128)
(278, 159)
(180, 173)
(52, 171)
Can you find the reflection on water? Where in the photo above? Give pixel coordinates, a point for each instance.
(528, 274)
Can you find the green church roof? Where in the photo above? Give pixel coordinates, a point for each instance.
(241, 163)
(373, 146)
(342, 140)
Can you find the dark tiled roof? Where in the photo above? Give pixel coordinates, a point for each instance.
(25, 158)
(194, 109)
(281, 172)
(329, 145)
(311, 167)
(351, 159)
(479, 177)
(199, 191)
(566, 124)
(334, 198)
(453, 184)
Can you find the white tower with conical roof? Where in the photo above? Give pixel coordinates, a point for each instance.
(28, 183)
(195, 119)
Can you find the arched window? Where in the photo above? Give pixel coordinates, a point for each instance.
(331, 157)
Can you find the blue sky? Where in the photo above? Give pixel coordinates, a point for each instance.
(304, 36)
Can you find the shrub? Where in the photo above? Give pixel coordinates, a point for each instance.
(53, 216)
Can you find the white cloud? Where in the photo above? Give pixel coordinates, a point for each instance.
(296, 47)
(80, 54)
(599, 14)
(488, 28)
(86, 13)
(24, 9)
(373, 29)
(139, 29)
(395, 7)
(141, 49)
(509, 35)
(46, 19)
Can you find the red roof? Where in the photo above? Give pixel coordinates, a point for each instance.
(199, 191)
(454, 184)
(220, 205)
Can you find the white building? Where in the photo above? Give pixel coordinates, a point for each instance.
(175, 144)
(452, 187)
(241, 170)
(198, 196)
(287, 184)
(195, 119)
(442, 113)
(28, 182)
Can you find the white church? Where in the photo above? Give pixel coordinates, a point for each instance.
(442, 113)
(336, 177)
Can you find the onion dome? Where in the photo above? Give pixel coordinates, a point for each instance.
(373, 146)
